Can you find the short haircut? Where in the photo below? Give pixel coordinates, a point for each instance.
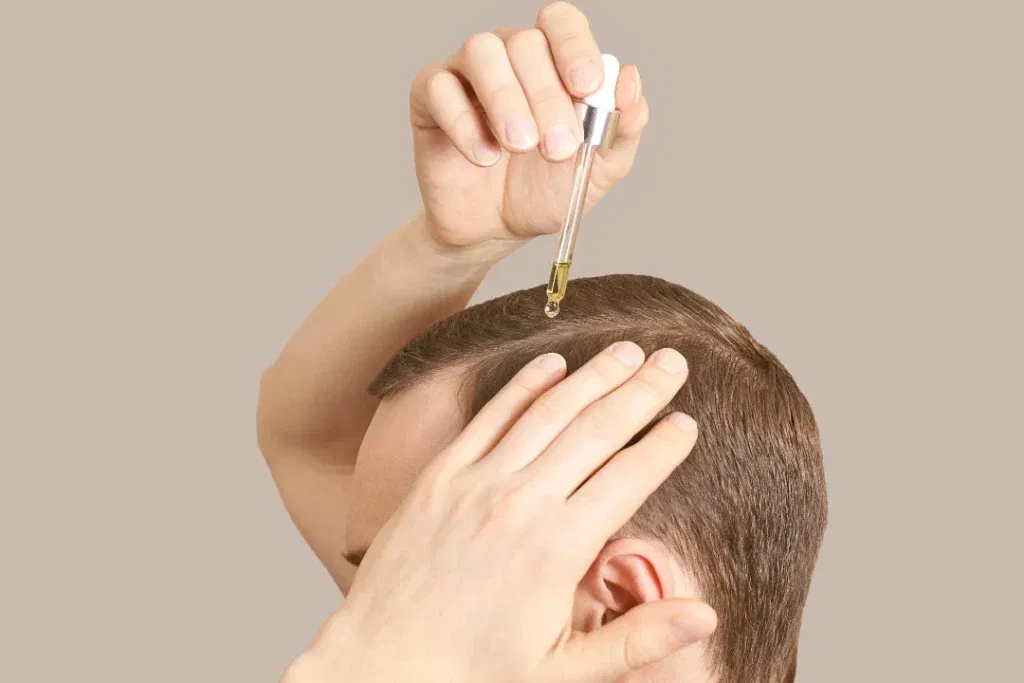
(745, 512)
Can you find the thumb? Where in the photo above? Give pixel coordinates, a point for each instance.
(645, 634)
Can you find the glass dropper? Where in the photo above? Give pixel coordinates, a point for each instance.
(599, 118)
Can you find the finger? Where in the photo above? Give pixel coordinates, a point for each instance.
(559, 406)
(483, 62)
(501, 412)
(615, 492)
(573, 47)
(642, 636)
(634, 115)
(439, 100)
(560, 129)
(609, 424)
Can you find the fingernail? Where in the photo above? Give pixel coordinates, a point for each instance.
(584, 78)
(486, 153)
(683, 421)
(560, 142)
(629, 354)
(670, 360)
(696, 624)
(551, 362)
(519, 131)
(639, 87)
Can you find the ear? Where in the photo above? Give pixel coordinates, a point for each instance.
(627, 573)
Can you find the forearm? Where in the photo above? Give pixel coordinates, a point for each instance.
(316, 390)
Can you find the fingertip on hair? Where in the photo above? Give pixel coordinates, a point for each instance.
(697, 622)
(551, 362)
(683, 422)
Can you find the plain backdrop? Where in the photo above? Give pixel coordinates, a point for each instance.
(180, 182)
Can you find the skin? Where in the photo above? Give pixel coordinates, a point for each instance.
(322, 436)
(417, 424)
(407, 434)
(450, 590)
(313, 409)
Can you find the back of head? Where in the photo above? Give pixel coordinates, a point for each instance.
(746, 511)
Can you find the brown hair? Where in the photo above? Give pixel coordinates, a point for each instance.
(746, 511)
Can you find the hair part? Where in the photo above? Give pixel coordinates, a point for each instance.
(745, 512)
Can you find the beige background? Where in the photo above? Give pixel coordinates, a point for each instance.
(181, 181)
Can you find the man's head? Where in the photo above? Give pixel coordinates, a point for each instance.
(738, 524)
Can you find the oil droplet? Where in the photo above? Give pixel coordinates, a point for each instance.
(551, 308)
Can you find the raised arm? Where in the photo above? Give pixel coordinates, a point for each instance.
(313, 407)
(493, 128)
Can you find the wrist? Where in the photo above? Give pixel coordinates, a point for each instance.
(347, 648)
(481, 255)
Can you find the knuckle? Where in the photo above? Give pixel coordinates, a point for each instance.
(437, 472)
(608, 369)
(547, 556)
(505, 96)
(549, 96)
(465, 124)
(431, 490)
(435, 83)
(528, 384)
(635, 652)
(480, 44)
(572, 46)
(597, 435)
(463, 504)
(648, 387)
(528, 40)
(605, 424)
(504, 507)
(547, 410)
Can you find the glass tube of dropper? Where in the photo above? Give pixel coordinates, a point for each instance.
(599, 119)
(559, 277)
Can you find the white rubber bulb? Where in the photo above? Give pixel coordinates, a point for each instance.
(604, 98)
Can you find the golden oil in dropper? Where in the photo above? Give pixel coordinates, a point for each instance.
(556, 288)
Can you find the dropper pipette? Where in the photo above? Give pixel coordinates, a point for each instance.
(599, 118)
